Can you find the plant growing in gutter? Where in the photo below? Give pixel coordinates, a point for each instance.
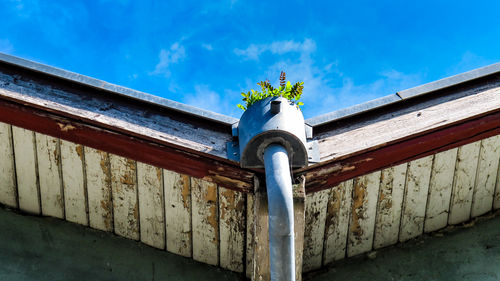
(285, 90)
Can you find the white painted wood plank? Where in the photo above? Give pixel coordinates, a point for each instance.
(463, 183)
(364, 208)
(177, 190)
(97, 170)
(250, 234)
(337, 222)
(151, 210)
(8, 190)
(205, 221)
(232, 229)
(489, 155)
(124, 190)
(314, 233)
(390, 201)
(417, 188)
(75, 197)
(26, 170)
(49, 172)
(496, 199)
(440, 187)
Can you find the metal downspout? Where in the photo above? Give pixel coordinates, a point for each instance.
(272, 135)
(280, 202)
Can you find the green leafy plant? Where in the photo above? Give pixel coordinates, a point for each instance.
(285, 90)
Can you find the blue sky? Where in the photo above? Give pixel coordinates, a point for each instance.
(205, 53)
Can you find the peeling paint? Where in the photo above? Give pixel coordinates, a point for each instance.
(357, 208)
(186, 190)
(79, 151)
(65, 127)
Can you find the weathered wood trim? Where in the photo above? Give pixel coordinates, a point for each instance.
(151, 205)
(299, 211)
(484, 188)
(337, 222)
(463, 183)
(125, 197)
(205, 221)
(364, 207)
(389, 205)
(440, 187)
(223, 172)
(74, 182)
(232, 226)
(100, 204)
(415, 199)
(327, 174)
(316, 212)
(8, 185)
(178, 206)
(50, 175)
(28, 188)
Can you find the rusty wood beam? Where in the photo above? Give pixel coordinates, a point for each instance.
(131, 146)
(328, 174)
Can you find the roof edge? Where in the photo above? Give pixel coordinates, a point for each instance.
(404, 95)
(450, 81)
(352, 110)
(117, 90)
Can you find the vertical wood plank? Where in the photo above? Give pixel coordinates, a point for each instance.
(337, 222)
(150, 183)
(124, 190)
(364, 207)
(496, 199)
(299, 221)
(484, 189)
(75, 197)
(415, 201)
(440, 187)
(232, 229)
(250, 235)
(177, 190)
(261, 263)
(205, 221)
(26, 170)
(463, 183)
(49, 173)
(99, 189)
(316, 205)
(390, 201)
(8, 190)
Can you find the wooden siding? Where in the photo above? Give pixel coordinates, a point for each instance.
(401, 202)
(199, 219)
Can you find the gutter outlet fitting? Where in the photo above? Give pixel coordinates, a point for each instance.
(272, 136)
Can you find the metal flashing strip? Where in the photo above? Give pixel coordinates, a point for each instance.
(352, 110)
(118, 90)
(405, 94)
(450, 81)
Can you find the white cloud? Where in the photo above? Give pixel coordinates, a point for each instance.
(326, 87)
(175, 54)
(468, 61)
(204, 97)
(6, 46)
(253, 51)
(208, 47)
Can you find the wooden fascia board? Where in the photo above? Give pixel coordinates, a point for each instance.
(330, 173)
(144, 150)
